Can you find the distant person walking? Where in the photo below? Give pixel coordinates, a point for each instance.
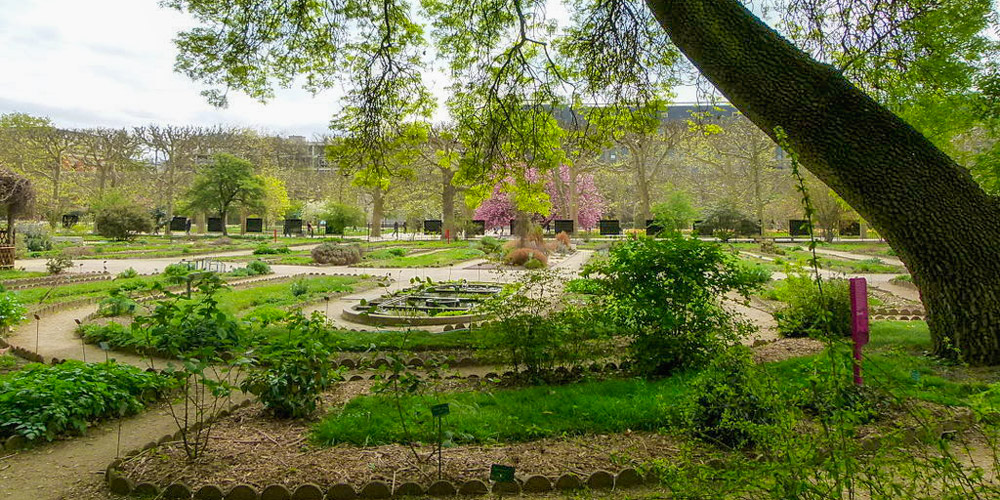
(187, 227)
(395, 230)
(309, 227)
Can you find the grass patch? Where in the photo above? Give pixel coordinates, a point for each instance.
(248, 301)
(895, 355)
(510, 415)
(435, 259)
(14, 274)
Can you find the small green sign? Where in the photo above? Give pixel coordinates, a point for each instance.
(501, 474)
(440, 410)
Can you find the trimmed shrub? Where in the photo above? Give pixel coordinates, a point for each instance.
(120, 219)
(338, 255)
(128, 273)
(176, 273)
(811, 314)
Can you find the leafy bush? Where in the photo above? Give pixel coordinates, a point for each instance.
(520, 256)
(534, 264)
(298, 288)
(115, 335)
(119, 218)
(735, 403)
(258, 267)
(295, 369)
(191, 328)
(116, 303)
(338, 216)
(676, 213)
(58, 264)
(583, 286)
(35, 235)
(667, 295)
(269, 250)
(11, 311)
(726, 221)
(526, 332)
(42, 401)
(338, 255)
(128, 273)
(754, 273)
(809, 313)
(176, 274)
(490, 245)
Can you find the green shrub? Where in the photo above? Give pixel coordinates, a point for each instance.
(192, 328)
(116, 303)
(808, 313)
(726, 221)
(666, 294)
(735, 403)
(36, 236)
(754, 273)
(115, 335)
(534, 264)
(294, 369)
(42, 402)
(338, 255)
(119, 218)
(525, 332)
(298, 288)
(176, 274)
(11, 311)
(128, 273)
(490, 245)
(338, 216)
(269, 250)
(58, 264)
(583, 286)
(258, 267)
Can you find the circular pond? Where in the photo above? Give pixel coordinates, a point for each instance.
(425, 305)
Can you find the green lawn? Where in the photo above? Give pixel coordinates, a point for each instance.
(251, 301)
(895, 361)
(13, 274)
(433, 259)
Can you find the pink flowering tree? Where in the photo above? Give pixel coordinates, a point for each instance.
(500, 208)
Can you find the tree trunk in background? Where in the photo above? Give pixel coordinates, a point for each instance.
(574, 198)
(447, 203)
(942, 225)
(377, 210)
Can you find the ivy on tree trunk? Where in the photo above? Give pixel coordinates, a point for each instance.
(943, 226)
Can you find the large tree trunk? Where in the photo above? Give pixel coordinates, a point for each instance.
(447, 203)
(939, 221)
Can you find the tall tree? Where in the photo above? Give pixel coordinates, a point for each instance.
(226, 182)
(927, 206)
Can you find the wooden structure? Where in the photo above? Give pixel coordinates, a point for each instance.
(16, 196)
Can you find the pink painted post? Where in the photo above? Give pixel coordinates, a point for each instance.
(859, 322)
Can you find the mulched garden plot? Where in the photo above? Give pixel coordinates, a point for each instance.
(250, 448)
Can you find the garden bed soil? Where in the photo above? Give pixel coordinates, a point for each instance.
(251, 448)
(787, 348)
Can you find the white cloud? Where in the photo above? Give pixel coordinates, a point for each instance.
(110, 63)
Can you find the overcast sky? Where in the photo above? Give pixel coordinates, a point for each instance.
(89, 63)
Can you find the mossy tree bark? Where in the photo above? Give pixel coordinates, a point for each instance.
(943, 226)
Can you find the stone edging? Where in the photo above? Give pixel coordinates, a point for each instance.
(121, 485)
(597, 480)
